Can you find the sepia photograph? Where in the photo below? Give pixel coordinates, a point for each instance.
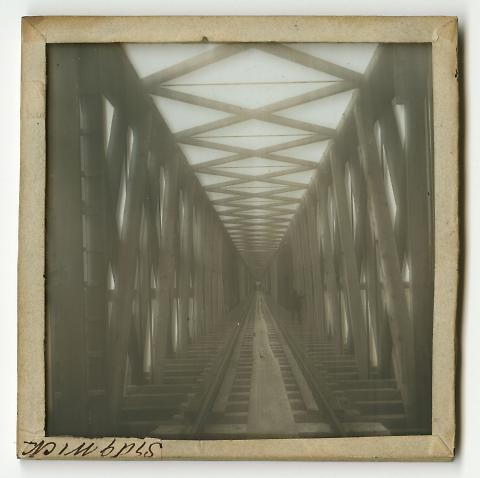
(243, 235)
(240, 241)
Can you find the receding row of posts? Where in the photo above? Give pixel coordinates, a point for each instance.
(359, 250)
(139, 265)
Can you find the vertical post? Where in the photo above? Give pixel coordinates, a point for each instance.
(396, 164)
(67, 409)
(200, 273)
(307, 310)
(333, 306)
(129, 242)
(315, 266)
(417, 74)
(184, 262)
(297, 257)
(352, 276)
(94, 189)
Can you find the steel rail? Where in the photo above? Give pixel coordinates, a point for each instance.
(201, 405)
(310, 374)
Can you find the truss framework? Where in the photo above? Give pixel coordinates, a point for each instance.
(256, 203)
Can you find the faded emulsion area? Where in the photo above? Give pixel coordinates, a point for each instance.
(239, 240)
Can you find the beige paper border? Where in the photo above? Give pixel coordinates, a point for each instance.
(441, 32)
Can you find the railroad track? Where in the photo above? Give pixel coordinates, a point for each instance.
(255, 377)
(264, 393)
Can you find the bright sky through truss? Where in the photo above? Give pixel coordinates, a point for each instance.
(253, 120)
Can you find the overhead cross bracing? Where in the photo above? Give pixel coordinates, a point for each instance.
(253, 121)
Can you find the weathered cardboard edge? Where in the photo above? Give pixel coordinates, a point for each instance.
(441, 31)
(238, 29)
(31, 252)
(445, 118)
(399, 448)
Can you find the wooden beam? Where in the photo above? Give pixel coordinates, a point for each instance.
(271, 195)
(262, 113)
(242, 114)
(65, 302)
(419, 166)
(272, 178)
(199, 267)
(318, 94)
(127, 256)
(289, 161)
(378, 314)
(115, 164)
(352, 276)
(95, 228)
(393, 284)
(317, 265)
(396, 164)
(116, 152)
(328, 262)
(243, 214)
(196, 100)
(189, 65)
(275, 211)
(312, 289)
(297, 56)
(184, 264)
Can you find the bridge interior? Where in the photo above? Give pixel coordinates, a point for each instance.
(239, 240)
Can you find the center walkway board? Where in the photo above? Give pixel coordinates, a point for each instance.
(264, 393)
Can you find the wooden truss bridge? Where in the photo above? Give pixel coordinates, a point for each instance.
(239, 240)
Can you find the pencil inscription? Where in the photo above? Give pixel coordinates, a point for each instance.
(115, 449)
